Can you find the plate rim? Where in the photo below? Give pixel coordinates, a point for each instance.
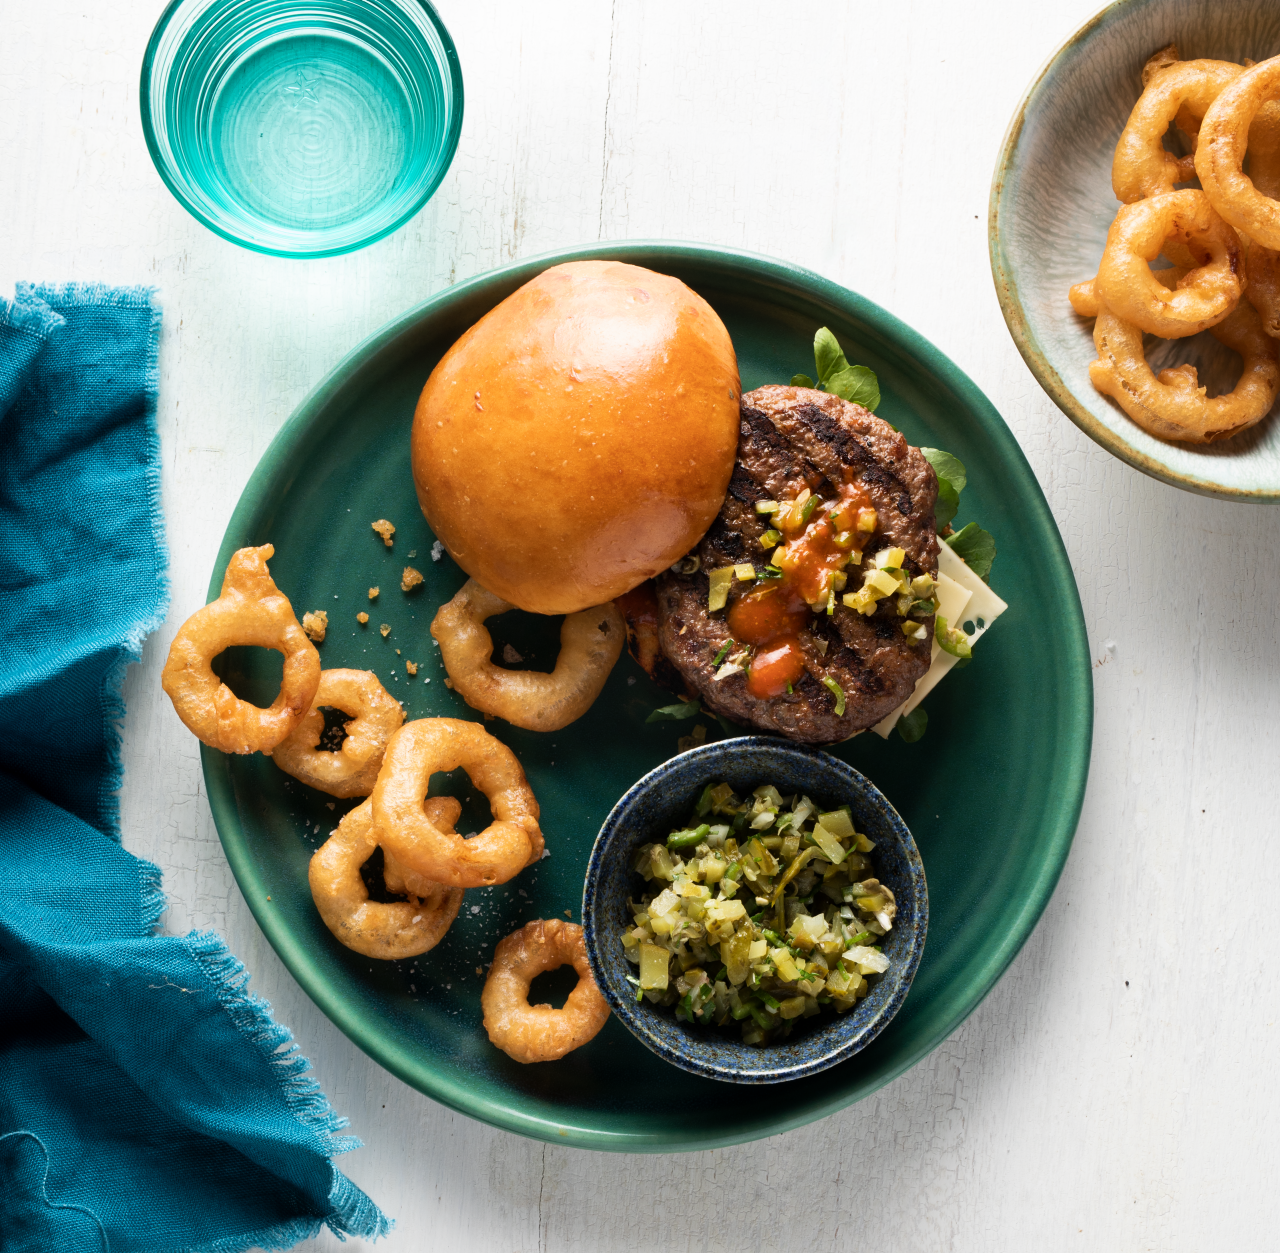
(1002, 274)
(781, 276)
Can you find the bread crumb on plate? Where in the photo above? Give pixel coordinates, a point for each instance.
(316, 624)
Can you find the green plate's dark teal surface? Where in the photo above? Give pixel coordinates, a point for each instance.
(992, 793)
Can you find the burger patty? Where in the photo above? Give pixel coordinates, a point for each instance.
(792, 438)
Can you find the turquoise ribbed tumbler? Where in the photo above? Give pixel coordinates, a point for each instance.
(302, 128)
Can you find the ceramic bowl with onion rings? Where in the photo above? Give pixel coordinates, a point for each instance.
(659, 803)
(1147, 154)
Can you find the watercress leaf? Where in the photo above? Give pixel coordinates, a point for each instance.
(946, 466)
(976, 547)
(857, 383)
(731, 729)
(912, 726)
(801, 380)
(676, 713)
(827, 355)
(951, 480)
(947, 504)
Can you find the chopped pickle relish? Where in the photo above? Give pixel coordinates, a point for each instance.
(759, 912)
(817, 546)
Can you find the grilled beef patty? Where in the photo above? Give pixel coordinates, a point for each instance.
(792, 438)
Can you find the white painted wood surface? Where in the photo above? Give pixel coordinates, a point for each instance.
(1116, 1091)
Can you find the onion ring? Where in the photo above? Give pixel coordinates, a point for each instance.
(442, 812)
(417, 751)
(590, 644)
(250, 610)
(1084, 298)
(1205, 295)
(1173, 405)
(1157, 61)
(1262, 264)
(1263, 268)
(1220, 151)
(539, 1033)
(353, 769)
(386, 931)
(1141, 167)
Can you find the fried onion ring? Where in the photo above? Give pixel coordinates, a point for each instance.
(1084, 298)
(539, 1033)
(1173, 405)
(417, 751)
(353, 769)
(1204, 296)
(1225, 135)
(442, 812)
(1263, 292)
(590, 644)
(250, 610)
(1262, 264)
(1141, 166)
(386, 931)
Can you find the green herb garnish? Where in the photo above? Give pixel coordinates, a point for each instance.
(912, 726)
(676, 713)
(856, 383)
(976, 547)
(731, 729)
(951, 481)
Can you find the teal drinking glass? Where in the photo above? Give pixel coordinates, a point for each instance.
(302, 128)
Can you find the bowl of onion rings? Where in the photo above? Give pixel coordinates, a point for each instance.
(657, 804)
(1142, 157)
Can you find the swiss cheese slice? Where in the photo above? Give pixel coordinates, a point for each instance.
(968, 604)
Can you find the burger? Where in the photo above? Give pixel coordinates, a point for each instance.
(828, 595)
(775, 555)
(807, 608)
(579, 438)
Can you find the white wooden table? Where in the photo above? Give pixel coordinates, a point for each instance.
(1117, 1090)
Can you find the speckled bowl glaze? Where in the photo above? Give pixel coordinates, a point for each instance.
(1051, 205)
(659, 803)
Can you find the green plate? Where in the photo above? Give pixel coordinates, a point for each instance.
(992, 793)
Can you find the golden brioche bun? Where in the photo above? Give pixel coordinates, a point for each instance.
(579, 438)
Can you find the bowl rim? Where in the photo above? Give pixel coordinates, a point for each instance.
(1002, 273)
(636, 1019)
(454, 84)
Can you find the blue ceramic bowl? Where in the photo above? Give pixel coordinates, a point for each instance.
(658, 804)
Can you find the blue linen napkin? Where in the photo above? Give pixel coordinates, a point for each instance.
(147, 1101)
